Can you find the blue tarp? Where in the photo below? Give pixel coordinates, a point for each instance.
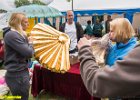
(128, 12)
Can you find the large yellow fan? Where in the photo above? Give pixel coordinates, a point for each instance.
(51, 47)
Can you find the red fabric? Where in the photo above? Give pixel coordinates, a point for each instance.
(74, 69)
(68, 84)
(1, 51)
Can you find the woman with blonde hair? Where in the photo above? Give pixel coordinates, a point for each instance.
(122, 33)
(18, 51)
(123, 79)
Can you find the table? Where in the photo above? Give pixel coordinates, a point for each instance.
(68, 84)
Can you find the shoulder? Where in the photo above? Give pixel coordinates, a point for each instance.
(135, 51)
(132, 42)
(11, 35)
(137, 46)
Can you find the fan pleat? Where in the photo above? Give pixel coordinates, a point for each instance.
(51, 48)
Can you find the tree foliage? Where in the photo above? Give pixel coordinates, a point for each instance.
(2, 11)
(68, 0)
(19, 3)
(38, 2)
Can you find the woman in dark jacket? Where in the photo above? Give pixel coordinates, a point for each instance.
(18, 51)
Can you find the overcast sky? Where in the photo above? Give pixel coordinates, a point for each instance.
(62, 5)
(7, 4)
(95, 4)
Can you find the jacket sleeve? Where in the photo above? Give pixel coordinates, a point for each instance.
(121, 80)
(18, 43)
(62, 27)
(80, 31)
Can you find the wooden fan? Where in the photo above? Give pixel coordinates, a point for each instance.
(51, 47)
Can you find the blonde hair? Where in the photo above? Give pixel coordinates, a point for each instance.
(122, 28)
(15, 21)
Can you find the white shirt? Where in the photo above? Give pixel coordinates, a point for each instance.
(71, 31)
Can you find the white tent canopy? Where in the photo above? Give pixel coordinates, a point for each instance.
(63, 5)
(100, 7)
(9, 4)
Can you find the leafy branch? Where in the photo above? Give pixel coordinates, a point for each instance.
(19, 3)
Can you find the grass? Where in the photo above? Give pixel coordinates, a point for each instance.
(43, 95)
(46, 96)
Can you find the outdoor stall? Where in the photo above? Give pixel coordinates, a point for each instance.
(69, 85)
(88, 10)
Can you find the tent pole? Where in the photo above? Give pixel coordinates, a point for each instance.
(72, 4)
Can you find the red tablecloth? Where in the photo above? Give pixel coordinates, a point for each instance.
(68, 85)
(1, 50)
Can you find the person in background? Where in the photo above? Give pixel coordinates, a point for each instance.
(73, 29)
(18, 51)
(107, 24)
(137, 31)
(122, 34)
(121, 80)
(97, 28)
(88, 33)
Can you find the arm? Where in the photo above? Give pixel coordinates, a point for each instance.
(17, 42)
(62, 27)
(101, 27)
(122, 80)
(79, 30)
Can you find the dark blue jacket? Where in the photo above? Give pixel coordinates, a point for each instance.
(17, 51)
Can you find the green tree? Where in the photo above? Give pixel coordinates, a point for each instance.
(68, 0)
(2, 11)
(19, 3)
(38, 2)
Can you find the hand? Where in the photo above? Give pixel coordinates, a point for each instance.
(31, 39)
(82, 42)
